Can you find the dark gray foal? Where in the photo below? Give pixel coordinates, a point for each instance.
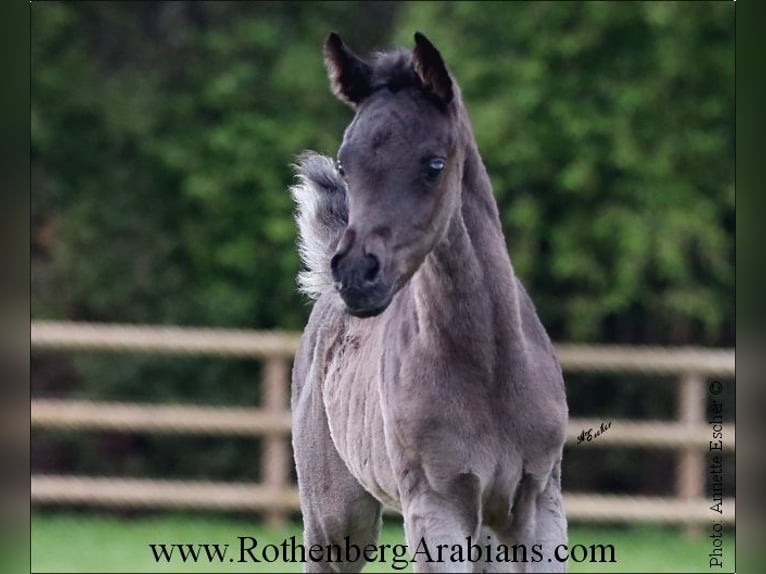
(425, 381)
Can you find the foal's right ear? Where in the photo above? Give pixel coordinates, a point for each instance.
(350, 76)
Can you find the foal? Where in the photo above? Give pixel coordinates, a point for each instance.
(424, 381)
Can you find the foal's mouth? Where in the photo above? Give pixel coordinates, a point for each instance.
(364, 305)
(365, 313)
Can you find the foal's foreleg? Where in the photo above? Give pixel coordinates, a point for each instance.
(334, 505)
(437, 518)
(538, 523)
(551, 524)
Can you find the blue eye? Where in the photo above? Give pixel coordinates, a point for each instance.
(339, 168)
(435, 167)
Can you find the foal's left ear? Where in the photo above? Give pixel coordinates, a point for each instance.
(430, 68)
(350, 76)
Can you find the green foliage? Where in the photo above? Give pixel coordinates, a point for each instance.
(169, 162)
(162, 138)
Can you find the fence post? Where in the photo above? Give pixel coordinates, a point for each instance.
(276, 457)
(690, 479)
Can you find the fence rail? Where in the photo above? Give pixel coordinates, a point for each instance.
(247, 497)
(185, 419)
(688, 435)
(175, 419)
(163, 340)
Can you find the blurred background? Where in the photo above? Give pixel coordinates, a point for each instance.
(161, 141)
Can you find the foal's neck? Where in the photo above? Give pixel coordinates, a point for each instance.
(466, 285)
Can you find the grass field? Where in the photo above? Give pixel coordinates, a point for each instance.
(71, 542)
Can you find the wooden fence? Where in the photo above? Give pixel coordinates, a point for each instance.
(689, 435)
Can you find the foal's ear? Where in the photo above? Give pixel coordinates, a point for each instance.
(350, 76)
(430, 68)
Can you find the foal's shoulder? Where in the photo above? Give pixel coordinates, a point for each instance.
(326, 322)
(322, 317)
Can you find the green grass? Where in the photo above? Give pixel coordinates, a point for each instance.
(71, 542)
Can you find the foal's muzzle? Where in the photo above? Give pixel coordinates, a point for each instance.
(359, 281)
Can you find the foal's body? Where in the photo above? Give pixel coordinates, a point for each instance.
(448, 405)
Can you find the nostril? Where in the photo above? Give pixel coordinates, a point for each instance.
(335, 270)
(344, 246)
(373, 268)
(334, 262)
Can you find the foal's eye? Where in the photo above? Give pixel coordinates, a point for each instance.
(434, 168)
(339, 168)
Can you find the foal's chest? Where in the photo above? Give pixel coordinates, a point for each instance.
(350, 392)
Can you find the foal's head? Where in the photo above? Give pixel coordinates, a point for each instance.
(401, 160)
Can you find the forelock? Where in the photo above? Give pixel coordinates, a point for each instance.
(394, 70)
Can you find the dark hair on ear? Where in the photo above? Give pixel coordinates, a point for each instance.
(430, 68)
(350, 76)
